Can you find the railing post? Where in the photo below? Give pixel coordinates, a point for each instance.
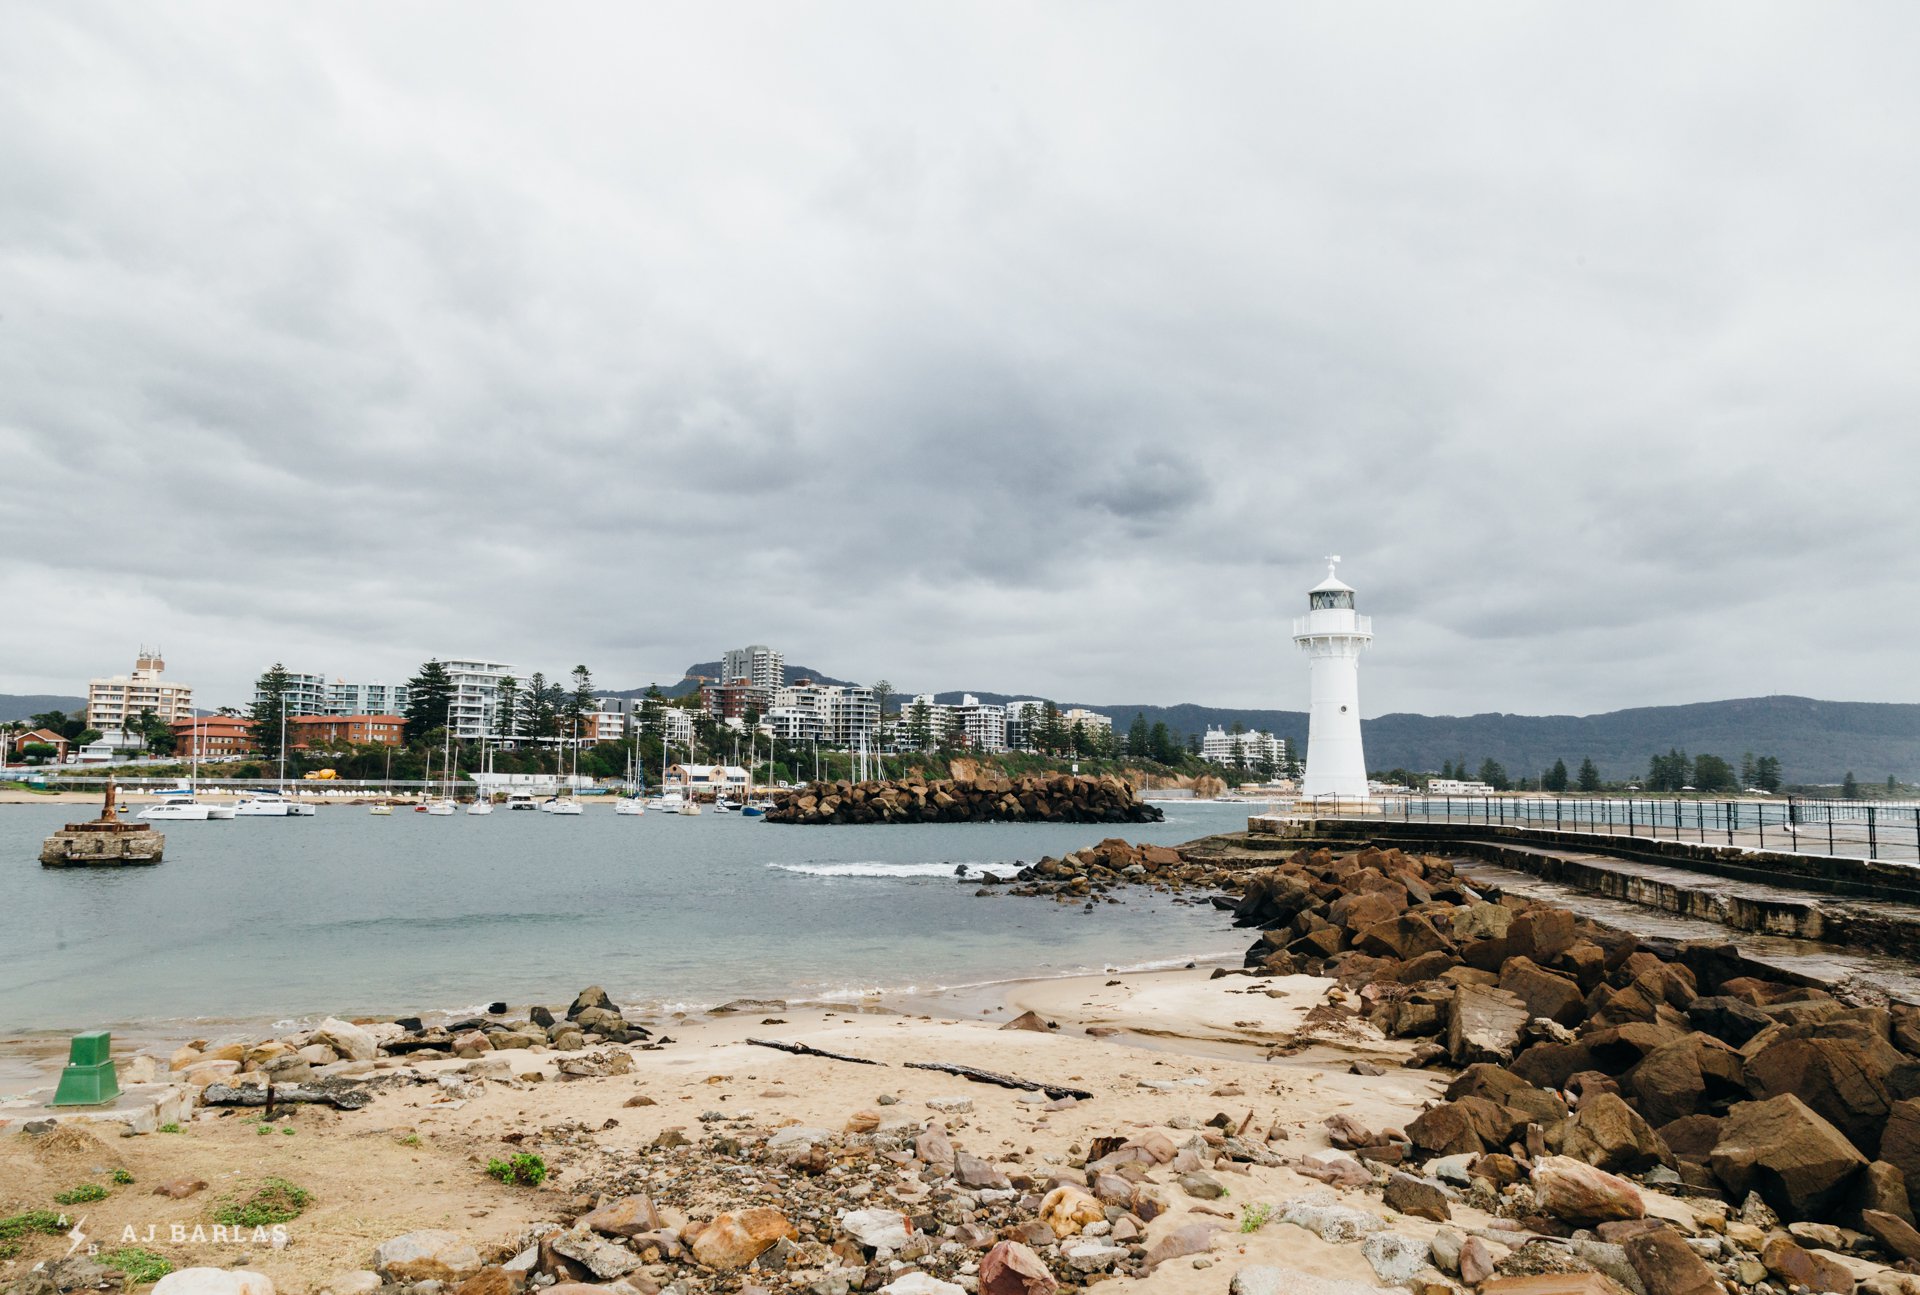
(1829, 828)
(1556, 815)
(1873, 840)
(1733, 814)
(1629, 816)
(1762, 816)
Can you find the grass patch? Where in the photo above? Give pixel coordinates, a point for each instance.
(140, 1266)
(275, 1200)
(524, 1168)
(1256, 1217)
(411, 1140)
(82, 1194)
(13, 1228)
(121, 1177)
(171, 1128)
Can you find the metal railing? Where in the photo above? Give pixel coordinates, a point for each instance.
(1885, 831)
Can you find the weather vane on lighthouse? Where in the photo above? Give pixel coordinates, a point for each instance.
(1333, 635)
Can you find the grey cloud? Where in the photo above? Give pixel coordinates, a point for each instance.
(1041, 350)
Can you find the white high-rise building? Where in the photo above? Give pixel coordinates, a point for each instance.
(344, 698)
(476, 697)
(305, 694)
(116, 702)
(1333, 635)
(760, 664)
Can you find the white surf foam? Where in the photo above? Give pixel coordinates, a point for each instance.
(875, 868)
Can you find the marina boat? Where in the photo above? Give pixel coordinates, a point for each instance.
(176, 811)
(561, 805)
(630, 804)
(181, 805)
(520, 800)
(482, 802)
(721, 805)
(441, 806)
(271, 804)
(384, 811)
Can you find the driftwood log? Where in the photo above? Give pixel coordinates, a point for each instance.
(979, 1076)
(802, 1050)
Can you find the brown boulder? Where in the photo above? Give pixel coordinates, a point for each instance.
(1417, 1197)
(1544, 992)
(628, 1216)
(1689, 1076)
(1667, 1265)
(1893, 1232)
(1848, 1080)
(1900, 1145)
(1012, 1269)
(1811, 1269)
(1575, 1192)
(1799, 1163)
(1484, 1025)
(1407, 936)
(1611, 1135)
(735, 1240)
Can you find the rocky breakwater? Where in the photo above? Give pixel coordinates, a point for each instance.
(1032, 798)
(1788, 1115)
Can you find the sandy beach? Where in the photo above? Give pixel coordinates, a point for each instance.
(1187, 1046)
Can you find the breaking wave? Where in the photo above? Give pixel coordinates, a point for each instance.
(875, 868)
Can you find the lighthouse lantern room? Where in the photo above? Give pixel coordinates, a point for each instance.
(1333, 635)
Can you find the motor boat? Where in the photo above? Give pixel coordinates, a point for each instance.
(271, 804)
(521, 800)
(721, 805)
(383, 810)
(629, 805)
(177, 811)
(480, 805)
(561, 805)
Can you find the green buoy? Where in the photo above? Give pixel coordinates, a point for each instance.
(89, 1078)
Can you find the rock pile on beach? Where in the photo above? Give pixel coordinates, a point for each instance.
(339, 1049)
(1593, 1056)
(1031, 798)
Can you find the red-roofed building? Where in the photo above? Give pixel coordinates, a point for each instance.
(40, 737)
(213, 737)
(355, 730)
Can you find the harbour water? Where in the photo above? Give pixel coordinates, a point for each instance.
(267, 918)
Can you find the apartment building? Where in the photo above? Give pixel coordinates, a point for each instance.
(357, 730)
(375, 698)
(841, 715)
(1243, 749)
(117, 702)
(762, 667)
(1092, 721)
(306, 694)
(476, 696)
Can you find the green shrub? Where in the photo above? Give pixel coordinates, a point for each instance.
(18, 1225)
(121, 1177)
(81, 1195)
(524, 1168)
(171, 1128)
(275, 1200)
(1256, 1217)
(140, 1266)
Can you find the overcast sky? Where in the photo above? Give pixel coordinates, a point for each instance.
(1035, 348)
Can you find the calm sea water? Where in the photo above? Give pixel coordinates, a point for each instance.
(346, 912)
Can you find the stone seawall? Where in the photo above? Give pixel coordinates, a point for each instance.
(1035, 798)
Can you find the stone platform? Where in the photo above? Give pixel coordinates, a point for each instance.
(140, 1108)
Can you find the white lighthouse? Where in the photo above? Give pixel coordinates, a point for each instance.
(1333, 634)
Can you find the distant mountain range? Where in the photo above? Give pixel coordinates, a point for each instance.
(24, 706)
(1815, 741)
